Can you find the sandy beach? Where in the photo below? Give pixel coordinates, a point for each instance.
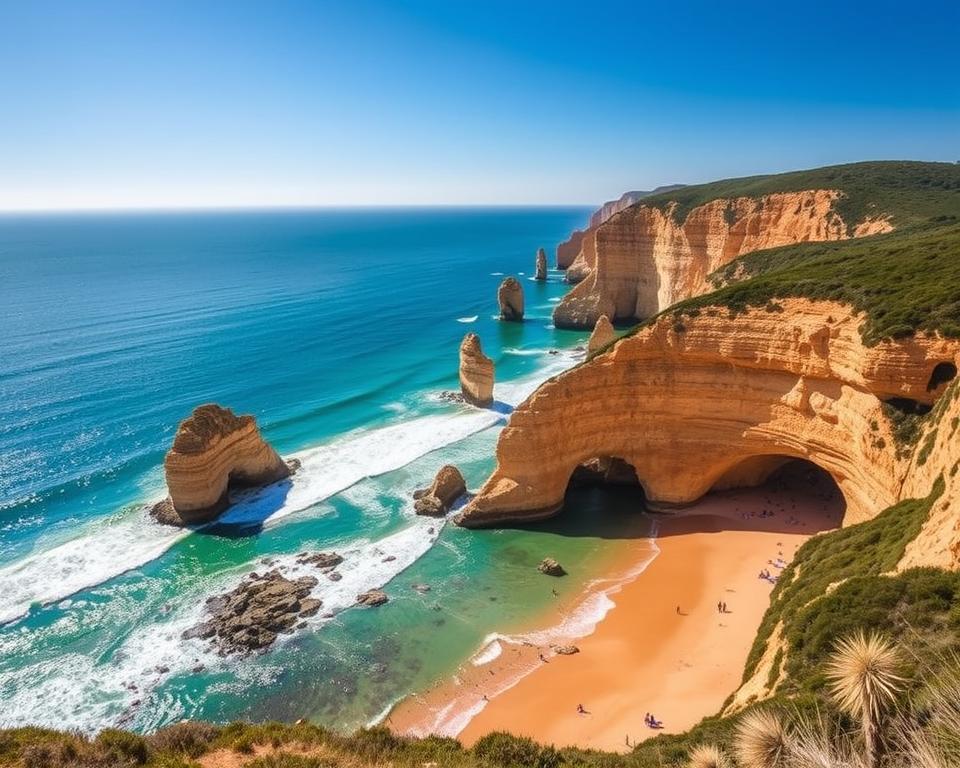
(664, 648)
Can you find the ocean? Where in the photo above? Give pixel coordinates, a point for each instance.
(338, 330)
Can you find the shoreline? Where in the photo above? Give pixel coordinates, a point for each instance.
(642, 655)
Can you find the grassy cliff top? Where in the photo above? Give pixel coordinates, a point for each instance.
(908, 191)
(904, 282)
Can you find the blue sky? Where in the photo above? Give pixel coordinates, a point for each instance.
(147, 104)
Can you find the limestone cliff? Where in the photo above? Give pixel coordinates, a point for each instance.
(510, 299)
(602, 335)
(541, 265)
(214, 450)
(476, 372)
(643, 259)
(719, 401)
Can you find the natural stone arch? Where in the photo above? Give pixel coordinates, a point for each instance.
(684, 406)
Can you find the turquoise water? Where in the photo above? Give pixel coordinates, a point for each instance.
(337, 329)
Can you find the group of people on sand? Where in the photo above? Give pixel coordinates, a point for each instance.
(651, 721)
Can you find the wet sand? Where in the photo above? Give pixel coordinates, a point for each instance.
(645, 656)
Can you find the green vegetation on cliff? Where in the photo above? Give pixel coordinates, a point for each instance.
(909, 192)
(903, 282)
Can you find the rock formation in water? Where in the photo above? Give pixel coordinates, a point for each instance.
(447, 487)
(214, 450)
(372, 598)
(643, 259)
(601, 336)
(719, 401)
(476, 372)
(551, 567)
(510, 298)
(541, 267)
(250, 617)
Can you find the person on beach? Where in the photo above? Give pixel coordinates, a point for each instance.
(581, 710)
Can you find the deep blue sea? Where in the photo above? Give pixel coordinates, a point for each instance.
(337, 329)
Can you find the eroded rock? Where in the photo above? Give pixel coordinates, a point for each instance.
(603, 334)
(541, 268)
(476, 372)
(251, 616)
(447, 487)
(510, 298)
(551, 567)
(213, 451)
(372, 598)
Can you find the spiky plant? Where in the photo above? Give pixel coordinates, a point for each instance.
(761, 740)
(864, 672)
(708, 756)
(816, 745)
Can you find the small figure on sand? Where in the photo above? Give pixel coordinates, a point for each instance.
(581, 710)
(678, 610)
(723, 607)
(651, 721)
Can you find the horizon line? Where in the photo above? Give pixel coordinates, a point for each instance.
(283, 207)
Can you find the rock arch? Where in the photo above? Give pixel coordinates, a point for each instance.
(684, 407)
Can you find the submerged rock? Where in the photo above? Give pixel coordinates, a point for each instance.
(541, 273)
(510, 298)
(213, 451)
(476, 372)
(319, 559)
(447, 487)
(250, 617)
(551, 567)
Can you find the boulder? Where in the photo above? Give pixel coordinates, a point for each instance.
(250, 617)
(320, 559)
(510, 298)
(372, 597)
(213, 451)
(476, 372)
(447, 487)
(566, 650)
(602, 335)
(541, 271)
(551, 567)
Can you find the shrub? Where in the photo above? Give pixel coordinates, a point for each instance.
(190, 737)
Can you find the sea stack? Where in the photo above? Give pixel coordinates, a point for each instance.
(541, 273)
(602, 335)
(436, 501)
(476, 372)
(510, 297)
(214, 450)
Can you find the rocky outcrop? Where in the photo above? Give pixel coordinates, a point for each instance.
(568, 250)
(250, 617)
(541, 265)
(550, 567)
(476, 372)
(717, 401)
(213, 451)
(510, 298)
(447, 487)
(603, 334)
(372, 598)
(643, 259)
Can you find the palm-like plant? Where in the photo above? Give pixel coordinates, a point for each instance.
(865, 680)
(761, 740)
(708, 756)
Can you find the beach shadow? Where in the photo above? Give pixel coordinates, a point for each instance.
(498, 406)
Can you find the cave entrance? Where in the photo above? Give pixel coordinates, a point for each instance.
(783, 492)
(604, 499)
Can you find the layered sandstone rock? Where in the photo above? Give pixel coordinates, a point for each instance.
(568, 250)
(642, 260)
(510, 298)
(717, 401)
(447, 487)
(476, 372)
(612, 207)
(603, 334)
(214, 450)
(541, 266)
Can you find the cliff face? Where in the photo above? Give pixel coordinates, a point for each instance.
(641, 260)
(612, 207)
(718, 403)
(212, 450)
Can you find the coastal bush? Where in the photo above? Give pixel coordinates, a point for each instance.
(190, 738)
(909, 192)
(904, 282)
(505, 749)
